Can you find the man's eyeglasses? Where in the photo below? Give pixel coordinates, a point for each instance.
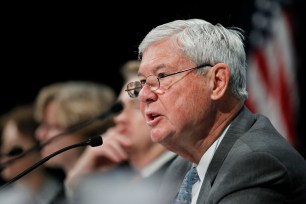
(153, 82)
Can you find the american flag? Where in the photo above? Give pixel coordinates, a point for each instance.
(272, 67)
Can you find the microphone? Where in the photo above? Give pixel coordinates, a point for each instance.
(16, 150)
(116, 108)
(93, 142)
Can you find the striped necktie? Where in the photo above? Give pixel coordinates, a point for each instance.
(184, 195)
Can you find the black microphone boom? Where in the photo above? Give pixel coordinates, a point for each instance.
(116, 108)
(93, 142)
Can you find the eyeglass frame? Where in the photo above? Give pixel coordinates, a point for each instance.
(158, 79)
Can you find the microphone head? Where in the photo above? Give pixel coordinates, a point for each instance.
(117, 107)
(15, 151)
(95, 141)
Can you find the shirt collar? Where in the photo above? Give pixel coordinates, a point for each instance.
(208, 155)
(156, 164)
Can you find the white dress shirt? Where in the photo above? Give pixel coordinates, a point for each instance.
(203, 166)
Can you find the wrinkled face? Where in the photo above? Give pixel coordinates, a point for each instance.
(177, 111)
(131, 124)
(49, 129)
(12, 138)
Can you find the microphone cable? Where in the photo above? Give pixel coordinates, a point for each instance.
(93, 142)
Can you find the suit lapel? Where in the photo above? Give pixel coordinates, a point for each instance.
(239, 126)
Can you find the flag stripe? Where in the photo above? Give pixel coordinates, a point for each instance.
(271, 75)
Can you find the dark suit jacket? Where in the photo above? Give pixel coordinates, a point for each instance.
(253, 164)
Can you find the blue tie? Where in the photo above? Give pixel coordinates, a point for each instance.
(184, 195)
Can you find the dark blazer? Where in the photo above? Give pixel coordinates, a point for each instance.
(253, 164)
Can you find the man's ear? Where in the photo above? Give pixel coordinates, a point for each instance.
(220, 76)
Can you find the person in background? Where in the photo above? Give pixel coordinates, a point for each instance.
(128, 168)
(2, 181)
(62, 105)
(17, 136)
(192, 89)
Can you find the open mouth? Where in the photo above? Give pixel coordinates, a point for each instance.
(153, 116)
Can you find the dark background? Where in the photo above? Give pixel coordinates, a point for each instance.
(46, 43)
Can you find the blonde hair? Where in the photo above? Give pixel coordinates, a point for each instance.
(45, 95)
(77, 101)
